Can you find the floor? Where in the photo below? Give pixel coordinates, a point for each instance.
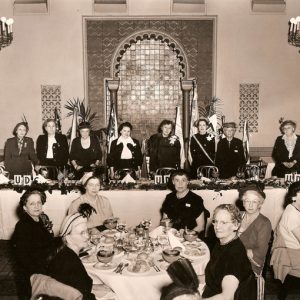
(8, 286)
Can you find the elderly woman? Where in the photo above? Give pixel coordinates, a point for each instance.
(286, 151)
(85, 152)
(32, 238)
(125, 152)
(255, 230)
(164, 148)
(19, 154)
(228, 275)
(184, 208)
(52, 149)
(288, 237)
(102, 209)
(202, 147)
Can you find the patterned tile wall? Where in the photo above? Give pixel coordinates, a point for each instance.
(103, 38)
(51, 99)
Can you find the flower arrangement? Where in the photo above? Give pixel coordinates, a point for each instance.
(173, 139)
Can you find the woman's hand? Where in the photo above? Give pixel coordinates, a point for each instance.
(289, 165)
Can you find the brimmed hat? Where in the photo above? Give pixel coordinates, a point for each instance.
(229, 125)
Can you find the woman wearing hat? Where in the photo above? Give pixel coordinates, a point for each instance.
(66, 266)
(230, 152)
(102, 208)
(286, 151)
(52, 149)
(202, 147)
(85, 152)
(125, 152)
(19, 154)
(255, 230)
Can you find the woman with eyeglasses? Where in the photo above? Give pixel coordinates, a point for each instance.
(286, 151)
(228, 275)
(255, 230)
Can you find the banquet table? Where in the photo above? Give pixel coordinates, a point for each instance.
(130, 205)
(147, 286)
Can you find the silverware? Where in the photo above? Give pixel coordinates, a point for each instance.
(118, 268)
(154, 266)
(124, 266)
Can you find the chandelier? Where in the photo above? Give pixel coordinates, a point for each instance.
(294, 32)
(6, 33)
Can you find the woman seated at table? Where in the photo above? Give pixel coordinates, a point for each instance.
(286, 151)
(228, 275)
(184, 208)
(255, 230)
(164, 147)
(102, 208)
(32, 239)
(202, 147)
(185, 282)
(65, 266)
(19, 154)
(125, 152)
(288, 236)
(85, 152)
(52, 149)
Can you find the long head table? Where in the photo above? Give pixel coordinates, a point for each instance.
(130, 205)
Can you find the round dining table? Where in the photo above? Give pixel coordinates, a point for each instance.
(143, 286)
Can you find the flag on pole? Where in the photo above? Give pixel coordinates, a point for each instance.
(57, 120)
(194, 117)
(74, 126)
(112, 128)
(246, 141)
(179, 134)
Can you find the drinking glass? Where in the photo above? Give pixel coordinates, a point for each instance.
(105, 257)
(163, 240)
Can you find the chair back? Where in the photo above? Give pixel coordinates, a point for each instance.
(48, 286)
(207, 171)
(164, 171)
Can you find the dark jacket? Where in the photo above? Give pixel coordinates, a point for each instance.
(85, 157)
(162, 153)
(60, 150)
(66, 267)
(114, 155)
(228, 160)
(280, 154)
(19, 164)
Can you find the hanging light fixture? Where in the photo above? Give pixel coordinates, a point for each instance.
(6, 32)
(294, 32)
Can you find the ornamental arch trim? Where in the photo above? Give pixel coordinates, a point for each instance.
(150, 34)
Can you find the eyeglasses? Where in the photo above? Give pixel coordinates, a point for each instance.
(222, 223)
(250, 202)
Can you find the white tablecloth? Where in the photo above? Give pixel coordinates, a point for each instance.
(129, 286)
(130, 205)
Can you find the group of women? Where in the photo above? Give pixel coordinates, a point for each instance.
(237, 258)
(52, 150)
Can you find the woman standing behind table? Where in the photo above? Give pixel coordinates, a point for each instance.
(85, 152)
(286, 151)
(202, 147)
(164, 148)
(52, 149)
(255, 230)
(101, 204)
(125, 152)
(32, 239)
(19, 154)
(228, 275)
(184, 208)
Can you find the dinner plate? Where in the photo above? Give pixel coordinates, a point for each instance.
(104, 267)
(145, 269)
(194, 253)
(89, 259)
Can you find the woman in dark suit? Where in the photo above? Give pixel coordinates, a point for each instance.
(85, 152)
(202, 147)
(52, 149)
(286, 151)
(125, 152)
(19, 154)
(32, 239)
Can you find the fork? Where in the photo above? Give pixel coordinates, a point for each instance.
(118, 268)
(124, 266)
(154, 266)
